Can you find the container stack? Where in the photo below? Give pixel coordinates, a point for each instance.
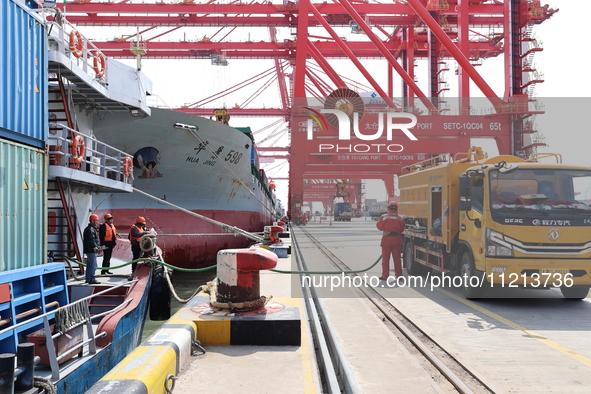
(23, 136)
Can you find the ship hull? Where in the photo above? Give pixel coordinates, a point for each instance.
(199, 165)
(180, 246)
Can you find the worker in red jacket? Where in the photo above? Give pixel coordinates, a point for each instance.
(392, 226)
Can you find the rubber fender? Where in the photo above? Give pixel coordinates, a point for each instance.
(160, 295)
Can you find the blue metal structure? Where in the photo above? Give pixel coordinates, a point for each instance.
(23, 75)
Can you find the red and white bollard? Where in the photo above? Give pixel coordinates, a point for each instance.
(238, 273)
(271, 233)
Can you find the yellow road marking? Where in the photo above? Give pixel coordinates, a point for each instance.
(307, 358)
(532, 334)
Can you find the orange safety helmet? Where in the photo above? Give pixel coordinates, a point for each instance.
(140, 219)
(93, 217)
(108, 216)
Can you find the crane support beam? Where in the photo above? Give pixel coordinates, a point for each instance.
(352, 57)
(456, 52)
(271, 50)
(189, 11)
(389, 57)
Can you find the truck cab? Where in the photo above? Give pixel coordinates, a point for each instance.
(342, 211)
(506, 221)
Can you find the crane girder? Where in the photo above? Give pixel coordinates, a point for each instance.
(188, 10)
(274, 50)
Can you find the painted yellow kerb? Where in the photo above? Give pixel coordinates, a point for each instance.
(176, 319)
(309, 367)
(214, 332)
(149, 364)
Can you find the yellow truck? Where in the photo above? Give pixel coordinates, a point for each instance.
(499, 222)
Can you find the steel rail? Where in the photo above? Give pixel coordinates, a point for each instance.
(336, 372)
(378, 301)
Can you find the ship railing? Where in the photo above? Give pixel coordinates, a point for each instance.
(88, 58)
(99, 158)
(85, 320)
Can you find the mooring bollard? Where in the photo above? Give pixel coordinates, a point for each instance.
(271, 233)
(7, 373)
(25, 360)
(238, 273)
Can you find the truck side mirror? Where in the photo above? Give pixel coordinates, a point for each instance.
(465, 185)
(465, 205)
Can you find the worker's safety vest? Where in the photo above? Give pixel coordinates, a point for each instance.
(137, 239)
(110, 232)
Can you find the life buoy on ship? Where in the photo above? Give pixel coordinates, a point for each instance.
(272, 185)
(76, 44)
(99, 64)
(160, 295)
(77, 149)
(127, 167)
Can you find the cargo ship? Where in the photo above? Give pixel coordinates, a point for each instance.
(201, 165)
(55, 86)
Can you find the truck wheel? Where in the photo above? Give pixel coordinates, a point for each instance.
(472, 288)
(412, 266)
(574, 292)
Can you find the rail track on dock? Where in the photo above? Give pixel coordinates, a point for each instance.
(446, 371)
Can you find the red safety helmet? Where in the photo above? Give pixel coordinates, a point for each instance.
(108, 216)
(393, 205)
(140, 219)
(93, 217)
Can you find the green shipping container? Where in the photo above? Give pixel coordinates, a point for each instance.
(23, 206)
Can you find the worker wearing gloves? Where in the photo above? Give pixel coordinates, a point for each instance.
(392, 226)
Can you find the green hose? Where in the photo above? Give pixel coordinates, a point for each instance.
(328, 272)
(214, 266)
(146, 259)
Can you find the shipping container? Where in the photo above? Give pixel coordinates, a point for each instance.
(254, 157)
(23, 75)
(23, 201)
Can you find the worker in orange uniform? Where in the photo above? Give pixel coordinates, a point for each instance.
(108, 236)
(136, 232)
(392, 226)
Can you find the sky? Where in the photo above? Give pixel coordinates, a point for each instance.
(564, 125)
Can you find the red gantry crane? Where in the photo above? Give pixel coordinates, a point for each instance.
(374, 135)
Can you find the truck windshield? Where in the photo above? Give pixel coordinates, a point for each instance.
(552, 197)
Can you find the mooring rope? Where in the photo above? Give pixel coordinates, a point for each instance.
(69, 316)
(211, 289)
(224, 226)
